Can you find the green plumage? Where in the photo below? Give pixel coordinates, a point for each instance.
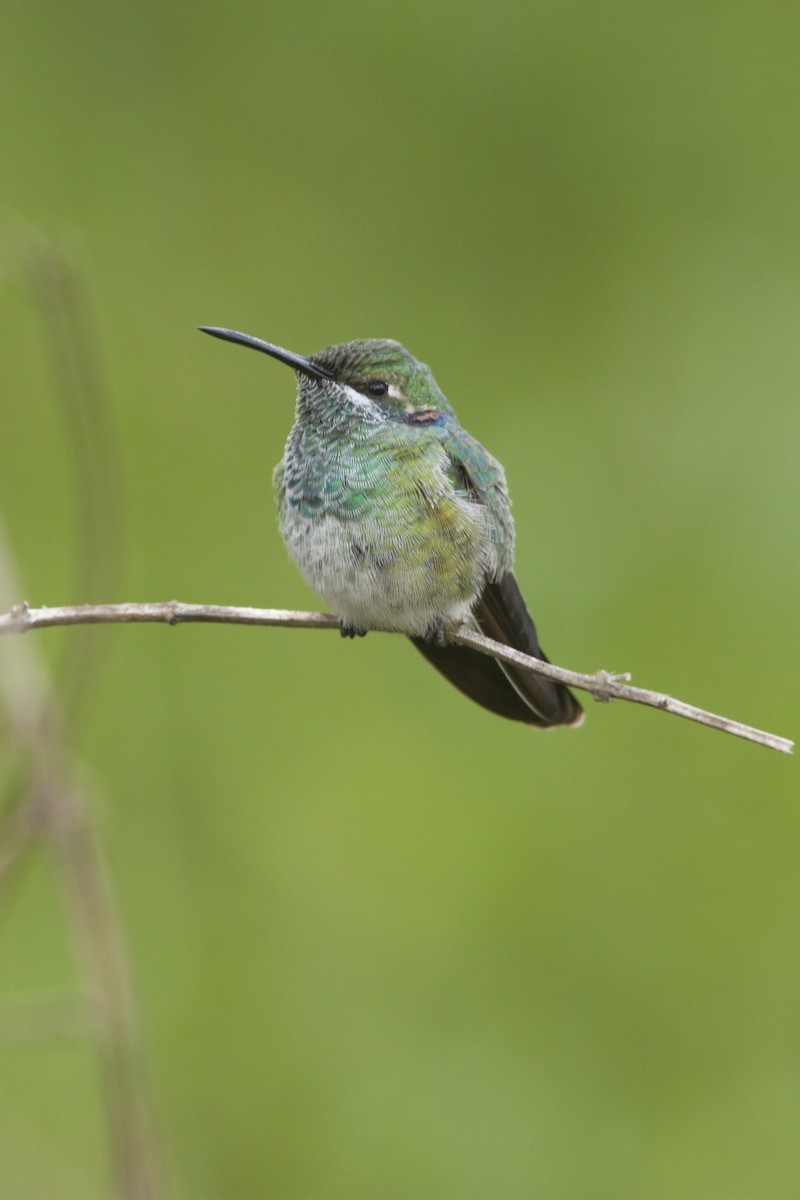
(400, 519)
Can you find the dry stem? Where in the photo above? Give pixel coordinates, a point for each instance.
(603, 686)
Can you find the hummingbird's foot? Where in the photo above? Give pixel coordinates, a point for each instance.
(434, 634)
(351, 631)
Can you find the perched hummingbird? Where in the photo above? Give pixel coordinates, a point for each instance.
(400, 519)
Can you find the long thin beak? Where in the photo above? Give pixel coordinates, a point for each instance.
(296, 361)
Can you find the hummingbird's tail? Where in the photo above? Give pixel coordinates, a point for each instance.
(510, 691)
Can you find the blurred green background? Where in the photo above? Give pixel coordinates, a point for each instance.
(383, 944)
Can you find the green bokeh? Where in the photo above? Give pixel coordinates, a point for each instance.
(384, 944)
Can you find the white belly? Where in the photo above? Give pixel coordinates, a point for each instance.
(365, 589)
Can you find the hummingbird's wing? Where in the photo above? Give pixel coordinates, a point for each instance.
(501, 614)
(503, 688)
(479, 678)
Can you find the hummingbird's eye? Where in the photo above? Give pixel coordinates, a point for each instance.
(377, 387)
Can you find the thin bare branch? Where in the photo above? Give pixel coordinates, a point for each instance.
(54, 809)
(58, 288)
(51, 806)
(603, 686)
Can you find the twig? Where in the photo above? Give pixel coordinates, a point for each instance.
(603, 686)
(52, 808)
(55, 810)
(61, 298)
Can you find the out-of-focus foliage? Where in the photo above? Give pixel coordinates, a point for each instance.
(384, 944)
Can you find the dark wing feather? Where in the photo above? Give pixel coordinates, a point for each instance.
(507, 690)
(479, 677)
(501, 614)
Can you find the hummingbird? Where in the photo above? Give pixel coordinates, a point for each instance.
(401, 520)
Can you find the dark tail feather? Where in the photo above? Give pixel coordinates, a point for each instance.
(511, 691)
(502, 615)
(479, 677)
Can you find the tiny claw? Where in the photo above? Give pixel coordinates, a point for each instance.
(346, 630)
(435, 633)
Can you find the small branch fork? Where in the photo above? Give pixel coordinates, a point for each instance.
(603, 686)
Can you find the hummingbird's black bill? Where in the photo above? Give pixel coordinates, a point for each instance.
(295, 361)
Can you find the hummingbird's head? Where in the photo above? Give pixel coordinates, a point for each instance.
(376, 376)
(385, 374)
